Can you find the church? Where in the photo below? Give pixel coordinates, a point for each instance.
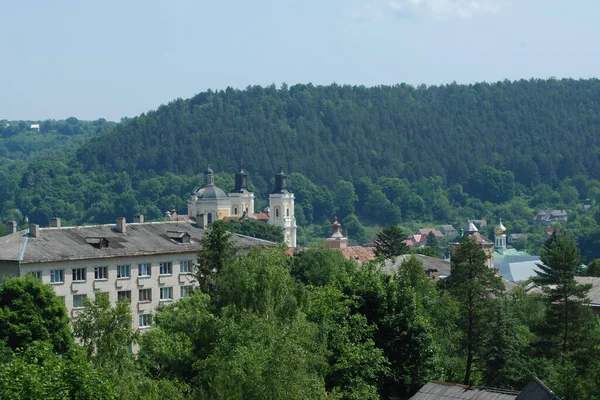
(211, 203)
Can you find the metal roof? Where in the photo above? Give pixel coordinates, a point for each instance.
(453, 391)
(74, 243)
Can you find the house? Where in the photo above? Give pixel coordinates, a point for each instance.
(514, 237)
(35, 127)
(448, 230)
(146, 264)
(547, 217)
(535, 390)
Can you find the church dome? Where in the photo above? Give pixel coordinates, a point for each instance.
(500, 229)
(211, 192)
(208, 171)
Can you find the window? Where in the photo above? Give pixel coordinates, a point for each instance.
(124, 295)
(166, 293)
(123, 271)
(144, 269)
(145, 295)
(287, 212)
(78, 300)
(209, 218)
(145, 320)
(166, 268)
(186, 291)
(35, 274)
(235, 210)
(277, 212)
(78, 274)
(100, 273)
(57, 276)
(185, 267)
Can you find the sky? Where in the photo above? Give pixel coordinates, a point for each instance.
(119, 58)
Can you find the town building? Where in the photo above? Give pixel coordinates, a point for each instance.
(146, 264)
(210, 203)
(547, 217)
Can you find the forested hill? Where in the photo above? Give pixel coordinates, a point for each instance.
(539, 129)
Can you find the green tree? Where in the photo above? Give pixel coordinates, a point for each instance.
(345, 198)
(471, 283)
(593, 268)
(560, 261)
(106, 333)
(30, 311)
(217, 250)
(39, 373)
(390, 242)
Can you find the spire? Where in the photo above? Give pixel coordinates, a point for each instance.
(500, 229)
(335, 227)
(209, 177)
(241, 180)
(471, 228)
(281, 182)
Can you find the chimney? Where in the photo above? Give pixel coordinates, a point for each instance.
(121, 227)
(11, 227)
(138, 218)
(55, 223)
(34, 230)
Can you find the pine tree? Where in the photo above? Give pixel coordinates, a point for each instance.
(390, 242)
(472, 283)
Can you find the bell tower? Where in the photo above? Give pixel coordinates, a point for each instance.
(281, 205)
(242, 199)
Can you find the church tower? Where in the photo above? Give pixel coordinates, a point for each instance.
(242, 199)
(281, 205)
(500, 238)
(209, 203)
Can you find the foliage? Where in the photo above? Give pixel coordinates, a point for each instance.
(256, 229)
(217, 250)
(39, 373)
(390, 242)
(106, 333)
(471, 283)
(30, 312)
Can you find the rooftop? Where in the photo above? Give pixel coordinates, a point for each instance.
(74, 243)
(453, 391)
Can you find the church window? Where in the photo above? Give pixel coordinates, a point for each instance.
(210, 218)
(276, 212)
(235, 211)
(287, 212)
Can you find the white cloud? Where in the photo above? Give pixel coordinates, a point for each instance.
(436, 9)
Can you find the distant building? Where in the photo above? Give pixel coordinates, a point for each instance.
(513, 265)
(547, 217)
(34, 127)
(472, 232)
(448, 230)
(514, 237)
(210, 203)
(336, 240)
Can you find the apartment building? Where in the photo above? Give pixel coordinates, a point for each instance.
(147, 264)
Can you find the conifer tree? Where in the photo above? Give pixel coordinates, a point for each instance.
(472, 283)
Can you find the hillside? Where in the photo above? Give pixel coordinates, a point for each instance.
(541, 130)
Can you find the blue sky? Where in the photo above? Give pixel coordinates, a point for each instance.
(111, 59)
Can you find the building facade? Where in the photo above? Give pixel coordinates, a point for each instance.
(146, 264)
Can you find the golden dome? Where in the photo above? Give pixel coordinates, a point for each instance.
(500, 229)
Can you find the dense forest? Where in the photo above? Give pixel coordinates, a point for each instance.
(414, 156)
(540, 130)
(314, 326)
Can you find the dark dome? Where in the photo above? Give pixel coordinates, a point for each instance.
(209, 171)
(211, 192)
